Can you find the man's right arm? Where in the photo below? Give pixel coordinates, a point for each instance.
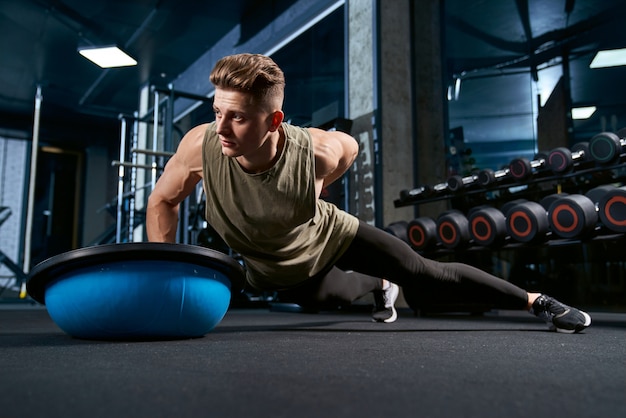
(180, 176)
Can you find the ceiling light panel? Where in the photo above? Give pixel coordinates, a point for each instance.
(107, 57)
(609, 58)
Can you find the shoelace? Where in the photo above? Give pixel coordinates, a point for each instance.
(541, 309)
(555, 309)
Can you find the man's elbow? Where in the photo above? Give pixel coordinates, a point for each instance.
(153, 203)
(157, 203)
(351, 152)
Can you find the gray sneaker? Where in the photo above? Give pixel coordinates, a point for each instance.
(560, 317)
(384, 310)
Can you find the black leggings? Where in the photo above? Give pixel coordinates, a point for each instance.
(375, 254)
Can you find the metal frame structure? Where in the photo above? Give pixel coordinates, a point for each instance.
(162, 122)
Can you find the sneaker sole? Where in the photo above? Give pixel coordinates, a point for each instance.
(578, 328)
(392, 318)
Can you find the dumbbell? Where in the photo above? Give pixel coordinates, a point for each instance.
(457, 183)
(440, 188)
(612, 209)
(527, 222)
(453, 229)
(522, 168)
(607, 148)
(398, 229)
(487, 226)
(611, 213)
(417, 193)
(422, 192)
(573, 216)
(562, 159)
(489, 176)
(422, 233)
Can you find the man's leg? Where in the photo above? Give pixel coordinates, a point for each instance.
(336, 287)
(377, 253)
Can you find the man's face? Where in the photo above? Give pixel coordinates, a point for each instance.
(242, 126)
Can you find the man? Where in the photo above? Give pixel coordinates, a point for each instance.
(263, 180)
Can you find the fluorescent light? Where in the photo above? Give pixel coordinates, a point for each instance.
(583, 112)
(609, 58)
(107, 57)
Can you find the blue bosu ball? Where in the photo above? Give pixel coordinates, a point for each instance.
(136, 290)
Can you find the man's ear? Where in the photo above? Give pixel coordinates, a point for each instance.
(277, 119)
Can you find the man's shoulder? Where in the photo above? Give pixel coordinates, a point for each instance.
(294, 128)
(193, 141)
(198, 131)
(297, 134)
(203, 127)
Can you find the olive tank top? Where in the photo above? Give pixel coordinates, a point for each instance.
(273, 219)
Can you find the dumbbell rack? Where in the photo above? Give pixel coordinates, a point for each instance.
(483, 192)
(598, 262)
(604, 153)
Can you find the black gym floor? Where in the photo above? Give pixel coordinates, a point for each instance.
(263, 363)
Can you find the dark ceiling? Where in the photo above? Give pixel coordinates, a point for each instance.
(39, 40)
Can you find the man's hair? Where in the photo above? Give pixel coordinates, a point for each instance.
(255, 74)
